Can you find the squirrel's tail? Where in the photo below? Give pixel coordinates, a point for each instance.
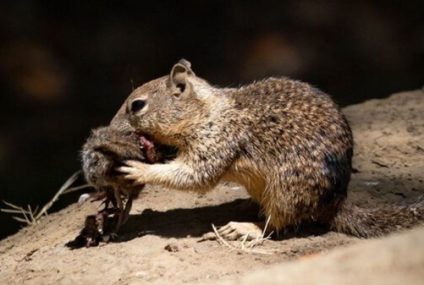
(372, 222)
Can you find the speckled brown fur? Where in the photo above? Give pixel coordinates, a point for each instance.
(285, 141)
(105, 149)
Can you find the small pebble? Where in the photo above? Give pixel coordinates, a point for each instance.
(172, 247)
(83, 198)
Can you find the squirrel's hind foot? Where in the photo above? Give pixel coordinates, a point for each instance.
(236, 231)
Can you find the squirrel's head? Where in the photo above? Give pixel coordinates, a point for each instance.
(168, 107)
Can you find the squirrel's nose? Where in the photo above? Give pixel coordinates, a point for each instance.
(137, 105)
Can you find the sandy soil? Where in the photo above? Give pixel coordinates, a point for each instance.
(397, 259)
(160, 243)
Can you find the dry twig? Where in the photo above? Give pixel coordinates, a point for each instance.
(247, 247)
(29, 216)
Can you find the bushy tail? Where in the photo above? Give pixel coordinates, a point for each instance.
(373, 222)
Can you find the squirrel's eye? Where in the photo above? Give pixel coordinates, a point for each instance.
(137, 105)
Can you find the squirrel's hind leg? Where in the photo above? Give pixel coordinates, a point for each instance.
(238, 231)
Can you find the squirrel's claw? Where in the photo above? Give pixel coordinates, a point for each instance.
(128, 165)
(235, 231)
(123, 169)
(133, 170)
(135, 164)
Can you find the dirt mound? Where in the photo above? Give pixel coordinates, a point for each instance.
(398, 259)
(159, 244)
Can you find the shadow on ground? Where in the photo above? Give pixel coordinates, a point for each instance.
(192, 222)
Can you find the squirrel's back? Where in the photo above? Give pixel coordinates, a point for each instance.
(292, 114)
(296, 159)
(304, 144)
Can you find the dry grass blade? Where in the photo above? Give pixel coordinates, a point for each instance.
(76, 188)
(25, 221)
(14, 209)
(221, 240)
(249, 248)
(29, 216)
(260, 239)
(62, 189)
(12, 206)
(28, 221)
(11, 211)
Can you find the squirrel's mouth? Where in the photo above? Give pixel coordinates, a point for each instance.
(148, 146)
(154, 151)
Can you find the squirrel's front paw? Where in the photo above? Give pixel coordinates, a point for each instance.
(134, 170)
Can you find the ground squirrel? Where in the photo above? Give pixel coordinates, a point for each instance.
(285, 141)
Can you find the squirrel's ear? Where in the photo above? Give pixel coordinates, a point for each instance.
(178, 77)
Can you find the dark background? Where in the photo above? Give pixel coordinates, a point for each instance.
(66, 66)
